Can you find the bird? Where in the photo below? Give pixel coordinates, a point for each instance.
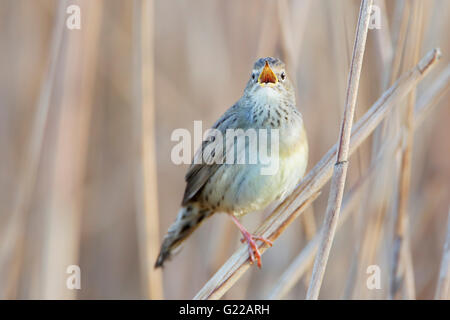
(216, 182)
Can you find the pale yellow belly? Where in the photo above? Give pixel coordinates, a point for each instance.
(240, 189)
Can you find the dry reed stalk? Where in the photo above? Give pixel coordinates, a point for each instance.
(443, 283)
(341, 165)
(372, 229)
(400, 28)
(383, 39)
(309, 230)
(392, 60)
(340, 30)
(431, 96)
(410, 284)
(311, 184)
(292, 32)
(340, 56)
(146, 176)
(309, 223)
(62, 241)
(352, 275)
(412, 51)
(301, 264)
(13, 239)
(392, 63)
(427, 205)
(369, 230)
(401, 20)
(304, 260)
(297, 268)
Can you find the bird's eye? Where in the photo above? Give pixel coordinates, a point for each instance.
(283, 75)
(253, 76)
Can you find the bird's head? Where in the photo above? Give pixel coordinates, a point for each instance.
(269, 80)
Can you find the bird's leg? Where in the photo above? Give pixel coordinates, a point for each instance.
(252, 247)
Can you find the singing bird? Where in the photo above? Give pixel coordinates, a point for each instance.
(237, 188)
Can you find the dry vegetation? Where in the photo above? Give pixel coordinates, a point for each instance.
(86, 118)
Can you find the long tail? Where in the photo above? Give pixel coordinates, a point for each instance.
(189, 218)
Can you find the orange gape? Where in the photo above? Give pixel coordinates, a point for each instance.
(267, 75)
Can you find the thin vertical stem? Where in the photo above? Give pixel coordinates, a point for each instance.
(400, 232)
(146, 176)
(341, 165)
(77, 76)
(12, 241)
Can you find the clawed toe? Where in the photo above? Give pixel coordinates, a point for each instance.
(266, 241)
(251, 242)
(253, 248)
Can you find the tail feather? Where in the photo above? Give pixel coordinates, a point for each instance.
(189, 218)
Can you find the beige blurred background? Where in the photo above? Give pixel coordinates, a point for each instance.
(76, 106)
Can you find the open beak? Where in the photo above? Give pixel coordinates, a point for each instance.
(267, 75)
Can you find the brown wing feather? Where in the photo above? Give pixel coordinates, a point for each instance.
(199, 171)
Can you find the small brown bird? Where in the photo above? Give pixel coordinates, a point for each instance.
(221, 184)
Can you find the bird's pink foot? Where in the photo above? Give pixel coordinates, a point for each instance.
(266, 241)
(253, 247)
(251, 241)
